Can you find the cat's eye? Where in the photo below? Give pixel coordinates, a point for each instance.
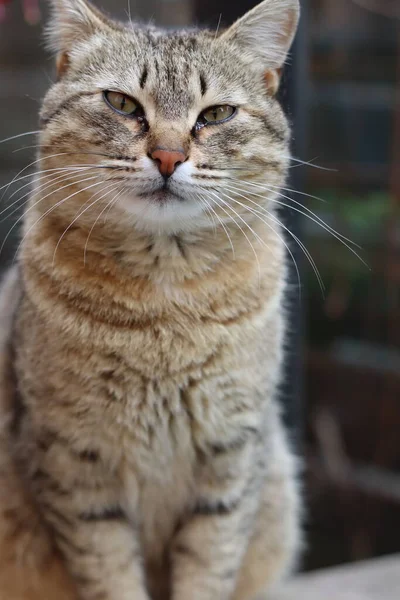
(215, 115)
(123, 104)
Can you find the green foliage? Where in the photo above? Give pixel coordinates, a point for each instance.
(362, 218)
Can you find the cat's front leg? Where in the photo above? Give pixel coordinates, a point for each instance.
(81, 504)
(208, 550)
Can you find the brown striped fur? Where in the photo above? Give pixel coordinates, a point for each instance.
(142, 453)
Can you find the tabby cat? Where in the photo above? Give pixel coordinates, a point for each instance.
(142, 453)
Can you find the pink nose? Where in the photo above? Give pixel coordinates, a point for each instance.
(167, 160)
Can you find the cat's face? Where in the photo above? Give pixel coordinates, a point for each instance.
(173, 123)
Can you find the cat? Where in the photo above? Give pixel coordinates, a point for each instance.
(142, 451)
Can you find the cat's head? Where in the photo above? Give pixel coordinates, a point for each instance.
(175, 125)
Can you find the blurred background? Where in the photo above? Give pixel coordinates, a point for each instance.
(342, 389)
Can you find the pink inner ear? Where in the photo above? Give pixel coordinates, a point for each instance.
(272, 79)
(62, 64)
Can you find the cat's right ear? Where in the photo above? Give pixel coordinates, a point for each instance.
(265, 35)
(71, 22)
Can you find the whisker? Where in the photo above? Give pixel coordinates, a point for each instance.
(285, 189)
(51, 209)
(207, 209)
(262, 211)
(218, 26)
(7, 186)
(124, 188)
(108, 206)
(244, 233)
(40, 200)
(16, 178)
(80, 213)
(268, 215)
(79, 152)
(129, 14)
(19, 135)
(279, 188)
(27, 167)
(306, 252)
(237, 169)
(313, 218)
(41, 188)
(307, 163)
(48, 176)
(39, 173)
(279, 237)
(224, 228)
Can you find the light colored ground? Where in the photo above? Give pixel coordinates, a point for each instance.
(369, 580)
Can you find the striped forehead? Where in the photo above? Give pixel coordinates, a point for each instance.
(171, 75)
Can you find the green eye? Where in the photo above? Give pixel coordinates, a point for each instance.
(122, 104)
(217, 114)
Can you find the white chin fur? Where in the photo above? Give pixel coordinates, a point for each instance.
(164, 217)
(170, 217)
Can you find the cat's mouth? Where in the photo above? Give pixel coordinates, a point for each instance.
(162, 195)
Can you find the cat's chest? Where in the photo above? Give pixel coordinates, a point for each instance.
(159, 437)
(158, 423)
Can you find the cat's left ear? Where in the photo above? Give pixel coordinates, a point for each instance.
(265, 34)
(71, 22)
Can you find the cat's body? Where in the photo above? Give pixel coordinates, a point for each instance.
(143, 357)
